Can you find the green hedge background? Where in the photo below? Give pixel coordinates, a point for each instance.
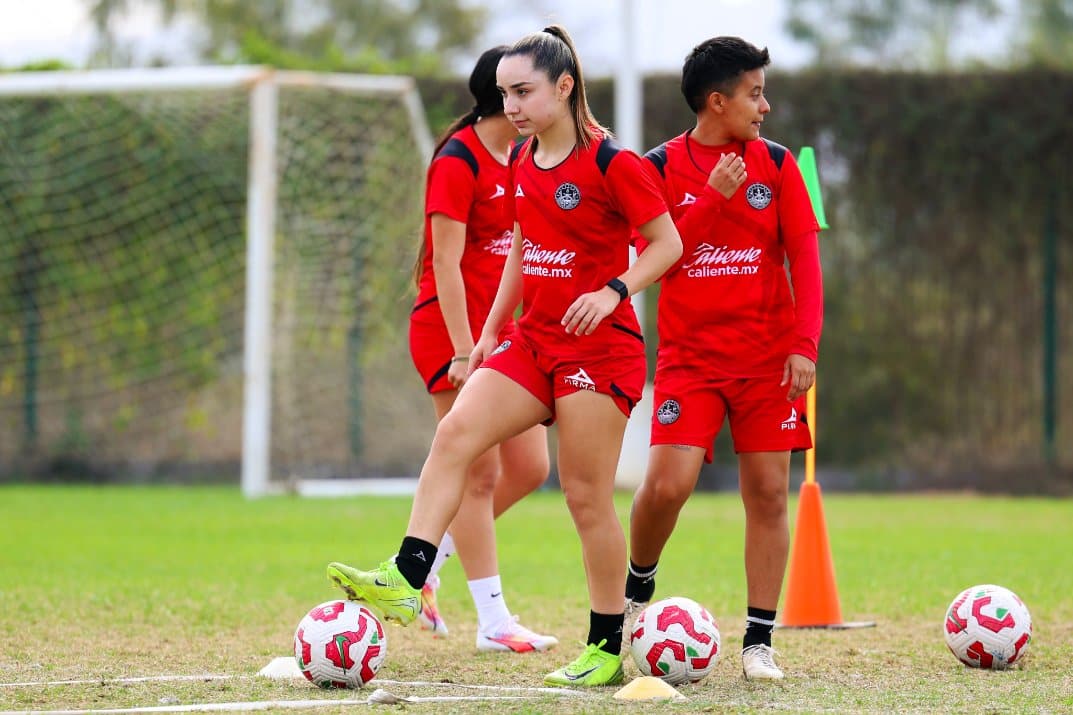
(947, 354)
(948, 266)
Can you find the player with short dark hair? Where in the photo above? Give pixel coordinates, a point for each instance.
(577, 354)
(735, 342)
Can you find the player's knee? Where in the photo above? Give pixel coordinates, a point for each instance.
(530, 477)
(584, 506)
(765, 502)
(481, 478)
(525, 474)
(663, 493)
(453, 442)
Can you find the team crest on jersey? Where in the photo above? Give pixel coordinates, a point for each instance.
(501, 347)
(758, 195)
(669, 412)
(567, 196)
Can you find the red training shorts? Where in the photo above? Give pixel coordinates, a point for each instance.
(618, 372)
(690, 408)
(431, 351)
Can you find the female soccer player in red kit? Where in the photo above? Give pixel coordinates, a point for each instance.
(576, 355)
(734, 341)
(468, 229)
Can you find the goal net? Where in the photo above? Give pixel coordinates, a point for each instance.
(208, 269)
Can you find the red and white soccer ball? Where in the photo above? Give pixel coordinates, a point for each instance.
(340, 644)
(988, 627)
(676, 640)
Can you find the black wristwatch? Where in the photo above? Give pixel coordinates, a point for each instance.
(618, 286)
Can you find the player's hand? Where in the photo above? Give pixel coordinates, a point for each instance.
(459, 369)
(589, 309)
(799, 373)
(484, 347)
(728, 175)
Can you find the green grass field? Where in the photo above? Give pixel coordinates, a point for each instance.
(103, 583)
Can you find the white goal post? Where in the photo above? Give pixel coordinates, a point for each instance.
(111, 170)
(256, 436)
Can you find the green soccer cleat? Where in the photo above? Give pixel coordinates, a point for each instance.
(384, 589)
(593, 667)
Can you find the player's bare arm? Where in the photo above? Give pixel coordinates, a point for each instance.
(449, 242)
(507, 298)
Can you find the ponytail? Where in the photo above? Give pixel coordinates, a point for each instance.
(553, 52)
(466, 120)
(482, 85)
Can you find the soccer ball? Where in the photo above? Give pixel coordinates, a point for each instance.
(340, 644)
(988, 627)
(676, 640)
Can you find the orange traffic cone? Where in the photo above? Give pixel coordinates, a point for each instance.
(811, 594)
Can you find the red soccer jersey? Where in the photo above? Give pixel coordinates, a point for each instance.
(727, 304)
(576, 220)
(467, 184)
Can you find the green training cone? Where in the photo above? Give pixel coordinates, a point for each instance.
(806, 160)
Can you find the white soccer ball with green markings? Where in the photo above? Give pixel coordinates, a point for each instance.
(988, 627)
(340, 644)
(675, 640)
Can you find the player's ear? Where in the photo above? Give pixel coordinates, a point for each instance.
(564, 86)
(717, 102)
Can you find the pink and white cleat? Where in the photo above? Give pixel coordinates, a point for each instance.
(512, 636)
(430, 618)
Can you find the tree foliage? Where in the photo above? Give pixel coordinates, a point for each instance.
(920, 34)
(1047, 33)
(419, 36)
(887, 33)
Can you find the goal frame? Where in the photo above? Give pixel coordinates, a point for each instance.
(262, 85)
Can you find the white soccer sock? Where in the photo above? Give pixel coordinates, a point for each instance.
(447, 547)
(488, 598)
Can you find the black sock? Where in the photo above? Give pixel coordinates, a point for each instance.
(641, 582)
(758, 626)
(606, 626)
(415, 560)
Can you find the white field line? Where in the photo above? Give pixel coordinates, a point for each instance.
(516, 688)
(261, 705)
(209, 677)
(117, 681)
